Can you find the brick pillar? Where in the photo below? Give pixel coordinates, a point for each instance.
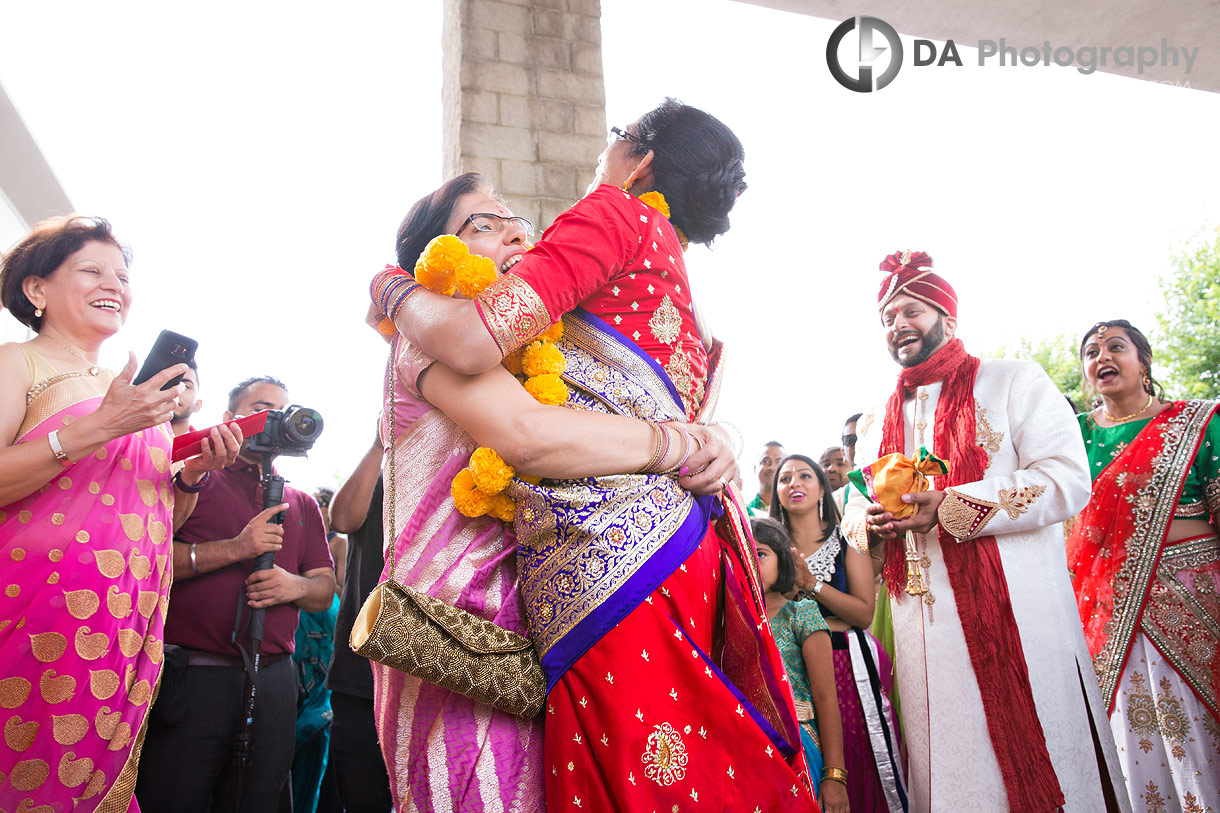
(523, 97)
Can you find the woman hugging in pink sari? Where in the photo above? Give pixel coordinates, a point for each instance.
(87, 500)
(444, 751)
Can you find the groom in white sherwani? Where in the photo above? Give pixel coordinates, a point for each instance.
(1001, 710)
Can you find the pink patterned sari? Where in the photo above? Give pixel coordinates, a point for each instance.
(443, 751)
(86, 586)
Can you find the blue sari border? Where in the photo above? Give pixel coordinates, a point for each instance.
(676, 550)
(614, 333)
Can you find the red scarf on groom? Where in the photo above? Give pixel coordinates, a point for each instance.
(977, 578)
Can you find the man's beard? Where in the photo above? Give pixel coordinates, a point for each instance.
(930, 343)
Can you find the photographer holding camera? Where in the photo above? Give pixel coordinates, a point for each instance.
(189, 750)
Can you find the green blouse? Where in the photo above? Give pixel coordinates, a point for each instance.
(795, 622)
(1200, 494)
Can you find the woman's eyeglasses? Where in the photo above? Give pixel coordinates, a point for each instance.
(617, 134)
(491, 222)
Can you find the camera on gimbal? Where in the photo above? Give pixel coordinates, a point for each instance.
(289, 431)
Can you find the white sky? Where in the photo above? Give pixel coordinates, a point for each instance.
(259, 156)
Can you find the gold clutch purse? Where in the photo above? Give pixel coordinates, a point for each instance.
(434, 641)
(425, 637)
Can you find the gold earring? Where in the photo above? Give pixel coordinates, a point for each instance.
(37, 313)
(1147, 384)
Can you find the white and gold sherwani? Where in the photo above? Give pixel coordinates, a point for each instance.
(1037, 477)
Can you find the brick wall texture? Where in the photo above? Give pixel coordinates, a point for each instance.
(524, 101)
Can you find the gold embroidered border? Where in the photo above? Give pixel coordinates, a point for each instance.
(1191, 510)
(1152, 511)
(1211, 495)
(513, 312)
(55, 394)
(987, 437)
(1178, 620)
(964, 516)
(715, 380)
(1016, 501)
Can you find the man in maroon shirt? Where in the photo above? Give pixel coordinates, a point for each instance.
(186, 761)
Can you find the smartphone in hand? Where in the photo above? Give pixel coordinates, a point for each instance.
(170, 348)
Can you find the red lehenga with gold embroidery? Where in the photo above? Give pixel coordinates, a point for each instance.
(666, 690)
(1151, 608)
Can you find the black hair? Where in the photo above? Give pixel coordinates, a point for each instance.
(429, 217)
(235, 394)
(324, 495)
(697, 164)
(826, 505)
(775, 536)
(1143, 351)
(44, 250)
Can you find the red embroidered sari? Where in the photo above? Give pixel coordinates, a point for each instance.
(1117, 549)
(666, 688)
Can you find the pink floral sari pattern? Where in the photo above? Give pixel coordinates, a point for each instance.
(86, 584)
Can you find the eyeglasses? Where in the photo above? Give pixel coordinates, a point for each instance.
(849, 440)
(617, 134)
(491, 222)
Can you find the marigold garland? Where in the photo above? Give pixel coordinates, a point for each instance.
(657, 201)
(446, 266)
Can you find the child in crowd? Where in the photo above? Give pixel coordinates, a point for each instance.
(803, 640)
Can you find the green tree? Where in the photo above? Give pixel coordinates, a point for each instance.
(1188, 347)
(1057, 355)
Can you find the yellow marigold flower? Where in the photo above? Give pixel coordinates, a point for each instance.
(541, 358)
(469, 501)
(502, 508)
(531, 480)
(552, 334)
(657, 201)
(512, 362)
(474, 274)
(490, 473)
(435, 277)
(547, 389)
(446, 250)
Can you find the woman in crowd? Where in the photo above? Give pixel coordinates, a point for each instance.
(1145, 562)
(804, 643)
(433, 420)
(840, 578)
(646, 577)
(86, 495)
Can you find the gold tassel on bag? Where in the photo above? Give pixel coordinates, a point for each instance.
(425, 637)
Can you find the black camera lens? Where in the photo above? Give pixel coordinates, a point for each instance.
(302, 425)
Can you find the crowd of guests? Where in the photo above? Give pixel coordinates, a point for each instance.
(902, 623)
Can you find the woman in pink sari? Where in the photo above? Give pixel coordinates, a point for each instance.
(86, 497)
(445, 751)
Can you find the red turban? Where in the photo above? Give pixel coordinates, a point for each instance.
(910, 273)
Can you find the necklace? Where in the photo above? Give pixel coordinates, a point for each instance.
(1125, 418)
(93, 368)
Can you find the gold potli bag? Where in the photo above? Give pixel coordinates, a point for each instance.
(425, 637)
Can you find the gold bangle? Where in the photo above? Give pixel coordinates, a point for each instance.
(835, 775)
(654, 461)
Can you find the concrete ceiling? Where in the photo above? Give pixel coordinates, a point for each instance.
(1077, 23)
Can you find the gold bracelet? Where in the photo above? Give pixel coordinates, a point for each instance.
(658, 437)
(835, 775)
(685, 452)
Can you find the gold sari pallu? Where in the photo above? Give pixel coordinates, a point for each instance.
(425, 637)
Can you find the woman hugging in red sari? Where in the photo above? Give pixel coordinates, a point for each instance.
(664, 684)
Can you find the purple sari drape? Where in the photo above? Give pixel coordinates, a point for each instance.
(86, 586)
(444, 751)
